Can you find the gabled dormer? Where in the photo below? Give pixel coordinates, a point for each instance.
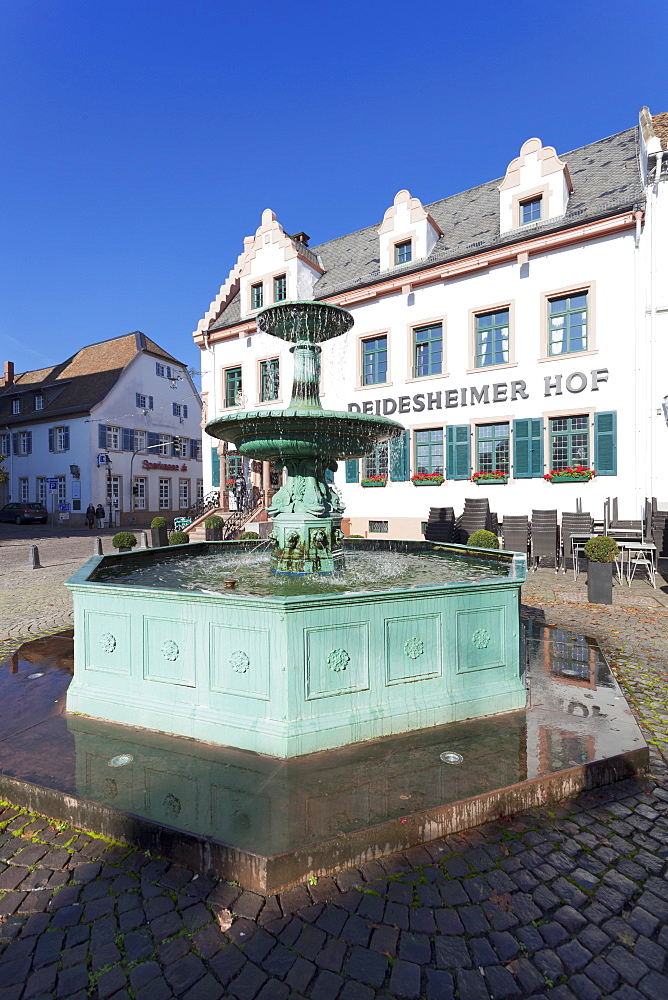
(407, 232)
(537, 186)
(276, 267)
(272, 267)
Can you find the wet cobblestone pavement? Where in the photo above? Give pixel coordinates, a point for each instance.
(569, 901)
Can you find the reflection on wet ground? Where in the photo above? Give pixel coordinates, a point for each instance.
(575, 715)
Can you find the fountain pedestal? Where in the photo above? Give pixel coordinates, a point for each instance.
(304, 544)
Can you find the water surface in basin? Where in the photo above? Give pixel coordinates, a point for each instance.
(363, 571)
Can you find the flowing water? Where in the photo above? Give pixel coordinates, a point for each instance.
(363, 571)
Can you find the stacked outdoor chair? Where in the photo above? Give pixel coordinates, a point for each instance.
(574, 524)
(441, 524)
(515, 530)
(545, 538)
(476, 517)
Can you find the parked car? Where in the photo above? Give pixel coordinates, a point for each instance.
(24, 513)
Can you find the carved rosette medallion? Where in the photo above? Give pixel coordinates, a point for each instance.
(108, 642)
(169, 650)
(240, 661)
(338, 660)
(481, 638)
(414, 647)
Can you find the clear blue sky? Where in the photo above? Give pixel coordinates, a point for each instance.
(143, 138)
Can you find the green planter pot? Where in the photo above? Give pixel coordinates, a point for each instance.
(371, 486)
(492, 481)
(427, 482)
(570, 479)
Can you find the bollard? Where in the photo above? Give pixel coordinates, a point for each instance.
(97, 551)
(33, 558)
(143, 540)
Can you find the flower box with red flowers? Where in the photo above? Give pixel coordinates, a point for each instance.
(490, 478)
(577, 474)
(229, 484)
(371, 481)
(427, 479)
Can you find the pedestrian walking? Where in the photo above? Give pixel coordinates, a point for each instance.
(240, 492)
(100, 515)
(90, 515)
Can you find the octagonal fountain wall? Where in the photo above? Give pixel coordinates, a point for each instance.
(292, 673)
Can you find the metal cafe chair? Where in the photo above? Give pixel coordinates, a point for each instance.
(641, 554)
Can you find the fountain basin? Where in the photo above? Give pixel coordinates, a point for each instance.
(291, 675)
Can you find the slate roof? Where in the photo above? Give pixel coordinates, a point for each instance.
(77, 384)
(606, 180)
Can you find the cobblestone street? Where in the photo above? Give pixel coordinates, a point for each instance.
(568, 901)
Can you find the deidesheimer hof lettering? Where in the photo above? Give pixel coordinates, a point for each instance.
(498, 392)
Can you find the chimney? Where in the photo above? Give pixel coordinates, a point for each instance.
(9, 373)
(301, 238)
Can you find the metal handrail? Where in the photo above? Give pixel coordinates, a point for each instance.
(210, 502)
(236, 521)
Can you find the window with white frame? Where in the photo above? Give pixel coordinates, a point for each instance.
(163, 371)
(377, 463)
(24, 491)
(41, 489)
(39, 401)
(184, 494)
(16, 405)
(140, 440)
(139, 493)
(4, 444)
(113, 438)
(62, 438)
(200, 489)
(493, 448)
(164, 494)
(165, 445)
(181, 447)
(143, 402)
(25, 443)
(62, 489)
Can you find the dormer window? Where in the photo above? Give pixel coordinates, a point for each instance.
(530, 211)
(280, 288)
(403, 252)
(257, 296)
(16, 405)
(39, 401)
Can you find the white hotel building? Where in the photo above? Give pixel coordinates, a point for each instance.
(520, 326)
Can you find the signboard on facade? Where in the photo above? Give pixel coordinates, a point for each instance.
(52, 484)
(64, 517)
(103, 459)
(499, 392)
(63, 507)
(76, 489)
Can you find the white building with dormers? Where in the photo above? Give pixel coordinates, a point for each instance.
(518, 327)
(118, 423)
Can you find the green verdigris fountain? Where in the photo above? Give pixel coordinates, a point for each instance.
(306, 439)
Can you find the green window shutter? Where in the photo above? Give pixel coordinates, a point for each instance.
(459, 451)
(528, 448)
(215, 467)
(352, 470)
(605, 443)
(400, 465)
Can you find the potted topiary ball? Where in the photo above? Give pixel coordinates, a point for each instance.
(483, 540)
(124, 541)
(213, 527)
(179, 538)
(158, 532)
(600, 553)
